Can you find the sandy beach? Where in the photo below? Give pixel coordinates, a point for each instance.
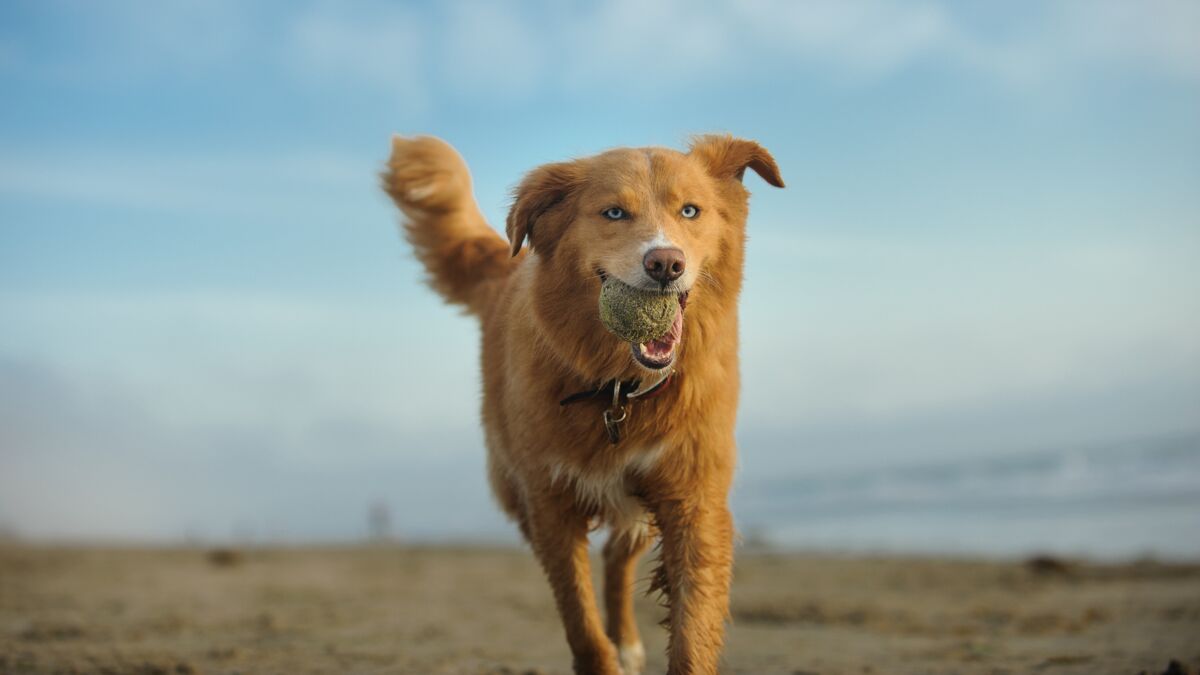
(473, 610)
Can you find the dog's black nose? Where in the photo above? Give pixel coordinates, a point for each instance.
(664, 265)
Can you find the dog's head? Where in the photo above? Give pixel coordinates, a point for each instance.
(652, 218)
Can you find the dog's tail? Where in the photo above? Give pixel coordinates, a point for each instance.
(465, 258)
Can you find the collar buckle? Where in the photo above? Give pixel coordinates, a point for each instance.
(616, 414)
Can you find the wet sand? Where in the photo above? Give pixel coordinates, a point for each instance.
(470, 610)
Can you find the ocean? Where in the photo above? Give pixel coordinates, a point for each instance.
(1111, 501)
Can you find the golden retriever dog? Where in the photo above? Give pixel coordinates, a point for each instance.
(582, 428)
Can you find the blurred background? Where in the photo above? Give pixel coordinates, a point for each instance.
(971, 323)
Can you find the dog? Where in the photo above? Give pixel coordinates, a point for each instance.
(584, 429)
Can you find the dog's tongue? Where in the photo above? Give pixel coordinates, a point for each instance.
(663, 345)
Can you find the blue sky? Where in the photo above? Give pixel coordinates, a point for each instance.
(988, 243)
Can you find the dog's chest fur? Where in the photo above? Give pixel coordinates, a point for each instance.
(608, 491)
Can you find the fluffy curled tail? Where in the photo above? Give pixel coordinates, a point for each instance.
(465, 258)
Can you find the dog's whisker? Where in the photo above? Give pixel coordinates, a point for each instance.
(710, 280)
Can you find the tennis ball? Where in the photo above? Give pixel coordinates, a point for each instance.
(636, 315)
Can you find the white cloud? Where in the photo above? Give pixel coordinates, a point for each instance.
(190, 360)
(190, 33)
(668, 44)
(151, 413)
(490, 49)
(959, 325)
(1074, 40)
(385, 47)
(612, 49)
(1159, 34)
(487, 50)
(863, 38)
(1070, 39)
(295, 181)
(622, 45)
(131, 39)
(97, 454)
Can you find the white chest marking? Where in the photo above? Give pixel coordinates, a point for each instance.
(609, 492)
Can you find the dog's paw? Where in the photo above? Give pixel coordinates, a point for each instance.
(426, 174)
(632, 658)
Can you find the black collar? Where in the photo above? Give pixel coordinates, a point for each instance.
(626, 386)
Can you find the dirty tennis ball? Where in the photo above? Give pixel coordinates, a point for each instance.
(636, 315)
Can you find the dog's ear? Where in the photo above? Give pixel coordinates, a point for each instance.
(728, 157)
(541, 190)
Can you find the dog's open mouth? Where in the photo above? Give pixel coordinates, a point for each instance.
(660, 353)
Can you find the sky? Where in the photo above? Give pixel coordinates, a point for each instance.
(210, 328)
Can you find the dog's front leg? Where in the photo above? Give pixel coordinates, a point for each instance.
(697, 560)
(621, 554)
(558, 535)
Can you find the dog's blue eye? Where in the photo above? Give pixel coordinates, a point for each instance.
(614, 213)
(689, 211)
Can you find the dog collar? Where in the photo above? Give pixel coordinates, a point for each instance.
(615, 415)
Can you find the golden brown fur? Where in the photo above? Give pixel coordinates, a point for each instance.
(552, 467)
